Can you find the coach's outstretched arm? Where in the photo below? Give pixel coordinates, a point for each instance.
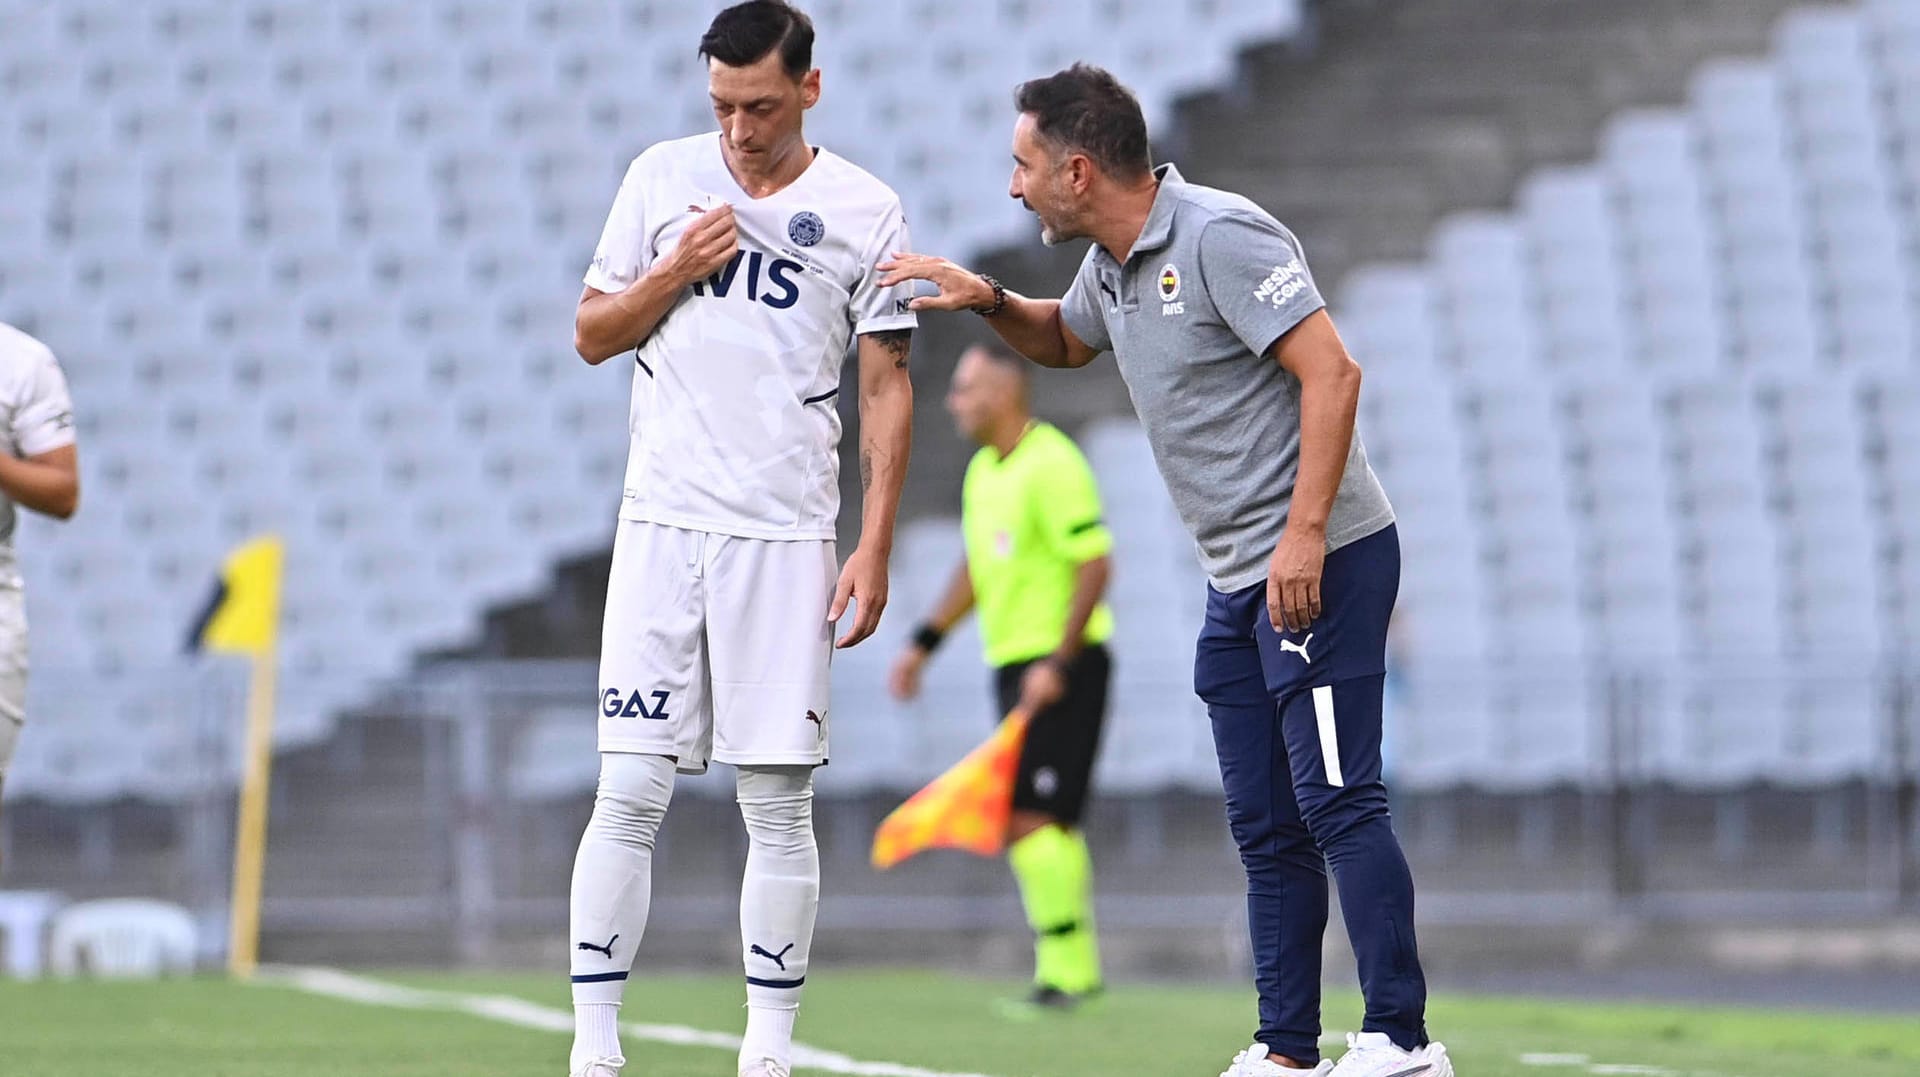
(886, 437)
(1031, 327)
(608, 323)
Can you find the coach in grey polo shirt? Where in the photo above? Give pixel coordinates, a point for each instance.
(1248, 399)
(1210, 286)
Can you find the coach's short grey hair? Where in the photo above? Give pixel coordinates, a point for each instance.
(1087, 110)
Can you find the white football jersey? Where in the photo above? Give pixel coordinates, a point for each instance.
(36, 416)
(734, 425)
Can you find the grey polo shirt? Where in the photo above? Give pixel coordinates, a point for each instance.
(1212, 282)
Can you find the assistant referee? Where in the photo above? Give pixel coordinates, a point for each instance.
(1036, 567)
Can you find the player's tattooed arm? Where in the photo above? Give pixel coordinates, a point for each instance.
(897, 343)
(886, 427)
(886, 435)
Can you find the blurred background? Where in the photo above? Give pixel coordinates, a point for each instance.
(1636, 284)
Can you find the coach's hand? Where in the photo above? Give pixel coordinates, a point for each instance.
(903, 680)
(959, 288)
(708, 244)
(1293, 578)
(863, 580)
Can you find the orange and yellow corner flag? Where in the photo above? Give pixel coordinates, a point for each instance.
(965, 808)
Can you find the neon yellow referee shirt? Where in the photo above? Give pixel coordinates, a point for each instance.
(1031, 519)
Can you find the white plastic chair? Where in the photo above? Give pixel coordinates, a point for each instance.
(135, 938)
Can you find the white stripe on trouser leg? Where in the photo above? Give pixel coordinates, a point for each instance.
(1329, 736)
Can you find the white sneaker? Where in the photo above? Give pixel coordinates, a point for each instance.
(765, 1067)
(1372, 1054)
(1253, 1062)
(601, 1067)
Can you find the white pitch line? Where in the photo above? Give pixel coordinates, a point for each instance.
(1604, 1069)
(517, 1011)
(514, 1011)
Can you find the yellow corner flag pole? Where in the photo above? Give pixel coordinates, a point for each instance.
(243, 617)
(250, 835)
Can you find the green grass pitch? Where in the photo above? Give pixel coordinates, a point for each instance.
(212, 1028)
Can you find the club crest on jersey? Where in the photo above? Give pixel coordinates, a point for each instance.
(1170, 291)
(806, 228)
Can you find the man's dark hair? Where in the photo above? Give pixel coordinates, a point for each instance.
(1085, 109)
(1003, 356)
(745, 33)
(999, 354)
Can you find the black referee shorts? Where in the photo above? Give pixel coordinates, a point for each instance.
(1056, 767)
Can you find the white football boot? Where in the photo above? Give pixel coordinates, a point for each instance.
(1372, 1054)
(1253, 1062)
(764, 1067)
(601, 1067)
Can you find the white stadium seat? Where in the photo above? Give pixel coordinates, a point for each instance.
(1692, 306)
(1664, 407)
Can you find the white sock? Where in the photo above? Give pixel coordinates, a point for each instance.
(596, 1034)
(769, 1034)
(611, 892)
(779, 897)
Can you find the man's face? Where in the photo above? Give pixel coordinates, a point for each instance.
(760, 108)
(1042, 182)
(980, 392)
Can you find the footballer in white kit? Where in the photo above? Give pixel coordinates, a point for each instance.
(736, 268)
(716, 643)
(38, 470)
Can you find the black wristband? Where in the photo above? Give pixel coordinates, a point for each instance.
(927, 637)
(999, 297)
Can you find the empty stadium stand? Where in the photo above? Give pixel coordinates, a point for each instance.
(1634, 285)
(311, 268)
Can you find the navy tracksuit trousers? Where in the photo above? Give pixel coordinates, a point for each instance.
(1296, 724)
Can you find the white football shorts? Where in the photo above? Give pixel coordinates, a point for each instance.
(716, 647)
(13, 671)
